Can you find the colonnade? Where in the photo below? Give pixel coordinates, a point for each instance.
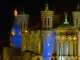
(67, 47)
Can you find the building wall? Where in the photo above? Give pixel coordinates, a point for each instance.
(78, 44)
(26, 55)
(66, 44)
(76, 18)
(17, 58)
(37, 57)
(35, 38)
(32, 41)
(7, 53)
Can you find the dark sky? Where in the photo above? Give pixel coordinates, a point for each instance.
(33, 8)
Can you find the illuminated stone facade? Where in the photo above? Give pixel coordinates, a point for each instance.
(32, 41)
(76, 18)
(60, 43)
(7, 53)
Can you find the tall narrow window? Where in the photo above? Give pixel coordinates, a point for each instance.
(48, 21)
(45, 21)
(24, 24)
(76, 22)
(21, 24)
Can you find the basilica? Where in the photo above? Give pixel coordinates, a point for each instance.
(47, 43)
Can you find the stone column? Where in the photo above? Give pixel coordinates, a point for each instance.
(25, 25)
(71, 48)
(66, 48)
(46, 23)
(78, 44)
(43, 23)
(61, 48)
(51, 22)
(22, 26)
(58, 48)
(75, 48)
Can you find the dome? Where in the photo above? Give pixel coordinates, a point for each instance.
(65, 27)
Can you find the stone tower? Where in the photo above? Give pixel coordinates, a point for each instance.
(16, 37)
(76, 16)
(47, 33)
(76, 22)
(23, 20)
(47, 18)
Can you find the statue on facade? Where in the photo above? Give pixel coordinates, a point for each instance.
(65, 17)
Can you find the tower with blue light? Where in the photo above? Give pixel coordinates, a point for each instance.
(23, 21)
(16, 36)
(47, 33)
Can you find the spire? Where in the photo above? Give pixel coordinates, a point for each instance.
(46, 6)
(78, 6)
(65, 22)
(54, 7)
(23, 12)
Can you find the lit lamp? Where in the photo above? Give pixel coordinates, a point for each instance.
(15, 13)
(26, 31)
(13, 33)
(75, 38)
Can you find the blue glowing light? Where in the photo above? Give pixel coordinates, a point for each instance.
(48, 43)
(16, 27)
(17, 38)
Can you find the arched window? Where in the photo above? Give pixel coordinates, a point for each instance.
(24, 24)
(51, 58)
(48, 21)
(21, 24)
(45, 21)
(38, 58)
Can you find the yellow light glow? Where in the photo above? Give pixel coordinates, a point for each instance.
(62, 37)
(25, 31)
(42, 34)
(15, 13)
(48, 34)
(75, 38)
(70, 38)
(24, 47)
(13, 33)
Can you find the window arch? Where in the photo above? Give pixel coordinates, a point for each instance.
(48, 21)
(38, 58)
(21, 24)
(24, 24)
(45, 21)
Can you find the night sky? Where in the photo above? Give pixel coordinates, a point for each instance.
(33, 8)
